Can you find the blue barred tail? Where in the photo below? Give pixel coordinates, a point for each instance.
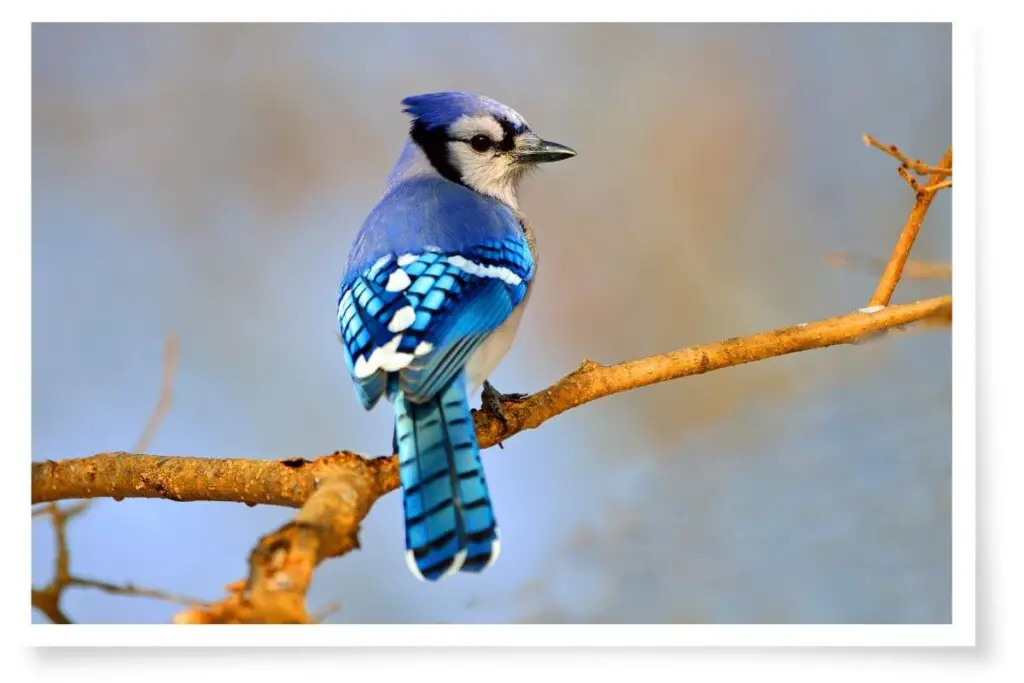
(449, 523)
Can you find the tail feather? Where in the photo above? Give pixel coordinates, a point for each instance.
(449, 523)
(481, 528)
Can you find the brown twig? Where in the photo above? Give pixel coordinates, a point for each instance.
(327, 610)
(916, 269)
(133, 590)
(911, 180)
(941, 185)
(47, 600)
(894, 268)
(915, 165)
(166, 397)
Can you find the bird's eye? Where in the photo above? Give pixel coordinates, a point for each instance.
(481, 143)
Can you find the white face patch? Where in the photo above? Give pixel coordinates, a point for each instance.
(489, 172)
(495, 175)
(468, 126)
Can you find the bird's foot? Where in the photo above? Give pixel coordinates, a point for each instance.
(491, 401)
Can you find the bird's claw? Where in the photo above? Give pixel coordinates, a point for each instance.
(491, 401)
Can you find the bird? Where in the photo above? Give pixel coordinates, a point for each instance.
(433, 291)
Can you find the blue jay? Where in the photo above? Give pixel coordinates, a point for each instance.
(432, 295)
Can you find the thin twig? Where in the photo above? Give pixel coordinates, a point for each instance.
(166, 397)
(894, 268)
(48, 599)
(68, 511)
(131, 589)
(320, 616)
(942, 185)
(917, 166)
(911, 180)
(912, 268)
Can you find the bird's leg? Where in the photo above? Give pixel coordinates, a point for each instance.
(491, 400)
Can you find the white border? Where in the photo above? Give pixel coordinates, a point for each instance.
(964, 353)
(503, 635)
(960, 632)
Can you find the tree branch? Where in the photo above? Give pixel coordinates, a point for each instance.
(292, 482)
(281, 566)
(915, 165)
(894, 269)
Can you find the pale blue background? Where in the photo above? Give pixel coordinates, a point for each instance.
(208, 180)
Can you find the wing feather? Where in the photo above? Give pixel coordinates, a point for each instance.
(438, 309)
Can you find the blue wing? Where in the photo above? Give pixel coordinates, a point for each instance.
(435, 269)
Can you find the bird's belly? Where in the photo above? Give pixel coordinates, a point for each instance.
(487, 356)
(483, 361)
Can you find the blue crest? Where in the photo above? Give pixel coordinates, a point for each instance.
(442, 108)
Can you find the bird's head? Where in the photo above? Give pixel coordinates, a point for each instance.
(479, 142)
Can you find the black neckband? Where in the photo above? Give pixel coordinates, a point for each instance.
(434, 143)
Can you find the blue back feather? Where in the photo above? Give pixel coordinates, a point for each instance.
(428, 211)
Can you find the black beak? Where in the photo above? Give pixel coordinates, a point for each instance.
(533, 150)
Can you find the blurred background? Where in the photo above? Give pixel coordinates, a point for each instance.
(206, 180)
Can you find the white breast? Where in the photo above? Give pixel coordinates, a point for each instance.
(487, 356)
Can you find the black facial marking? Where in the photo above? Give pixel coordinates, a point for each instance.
(434, 143)
(508, 142)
